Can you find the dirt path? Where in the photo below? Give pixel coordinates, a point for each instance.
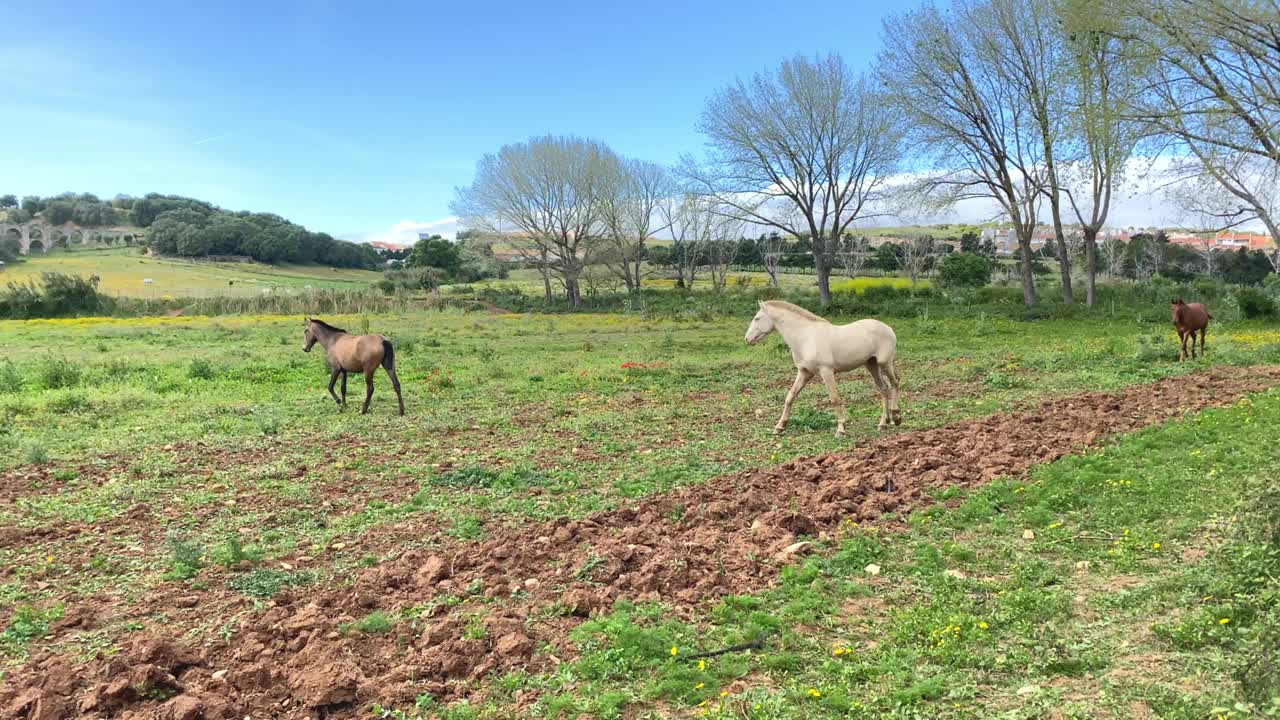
(729, 535)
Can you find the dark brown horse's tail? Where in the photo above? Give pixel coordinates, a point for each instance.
(388, 355)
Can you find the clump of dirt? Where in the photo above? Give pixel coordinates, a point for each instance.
(728, 535)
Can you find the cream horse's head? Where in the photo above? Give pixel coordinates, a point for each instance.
(761, 325)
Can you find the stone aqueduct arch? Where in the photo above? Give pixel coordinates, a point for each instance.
(64, 235)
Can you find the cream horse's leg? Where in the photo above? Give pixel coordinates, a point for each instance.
(882, 387)
(829, 379)
(802, 378)
(891, 372)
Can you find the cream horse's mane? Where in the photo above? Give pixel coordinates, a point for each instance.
(793, 309)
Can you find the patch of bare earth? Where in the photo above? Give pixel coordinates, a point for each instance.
(729, 535)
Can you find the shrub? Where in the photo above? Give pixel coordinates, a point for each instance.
(58, 372)
(1255, 303)
(964, 270)
(200, 369)
(11, 380)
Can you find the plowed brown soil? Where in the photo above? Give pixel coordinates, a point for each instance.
(728, 535)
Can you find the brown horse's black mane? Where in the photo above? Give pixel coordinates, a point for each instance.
(327, 326)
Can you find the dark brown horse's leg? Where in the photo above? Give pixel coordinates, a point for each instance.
(368, 391)
(333, 379)
(395, 383)
(1203, 330)
(344, 387)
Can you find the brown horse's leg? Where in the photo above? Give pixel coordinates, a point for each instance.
(1203, 330)
(802, 378)
(1182, 354)
(368, 390)
(395, 383)
(344, 387)
(829, 379)
(333, 379)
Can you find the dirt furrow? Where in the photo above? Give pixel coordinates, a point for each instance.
(729, 535)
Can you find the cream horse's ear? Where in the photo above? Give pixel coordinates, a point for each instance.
(761, 303)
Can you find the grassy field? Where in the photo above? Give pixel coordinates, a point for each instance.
(122, 271)
(220, 431)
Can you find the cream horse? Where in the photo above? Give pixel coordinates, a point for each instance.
(820, 348)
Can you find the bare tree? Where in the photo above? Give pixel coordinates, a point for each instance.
(685, 219)
(854, 251)
(771, 251)
(915, 256)
(549, 190)
(973, 133)
(630, 210)
(1214, 78)
(1023, 33)
(723, 240)
(1112, 252)
(1103, 80)
(806, 149)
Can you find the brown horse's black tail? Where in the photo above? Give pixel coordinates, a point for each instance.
(388, 356)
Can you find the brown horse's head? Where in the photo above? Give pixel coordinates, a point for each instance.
(308, 336)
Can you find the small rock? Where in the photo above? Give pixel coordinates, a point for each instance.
(183, 707)
(1028, 689)
(513, 645)
(305, 558)
(1082, 565)
(794, 549)
(188, 601)
(230, 503)
(285, 566)
(433, 571)
(531, 584)
(338, 546)
(220, 675)
(955, 574)
(1028, 535)
(872, 569)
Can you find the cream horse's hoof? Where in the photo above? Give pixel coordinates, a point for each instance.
(777, 430)
(841, 433)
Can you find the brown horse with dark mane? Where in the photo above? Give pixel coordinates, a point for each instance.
(1190, 319)
(353, 353)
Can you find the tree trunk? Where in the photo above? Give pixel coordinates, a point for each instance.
(1028, 277)
(1064, 258)
(1091, 266)
(823, 269)
(546, 279)
(572, 290)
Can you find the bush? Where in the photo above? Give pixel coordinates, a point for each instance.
(200, 369)
(964, 270)
(58, 372)
(11, 380)
(57, 295)
(1255, 303)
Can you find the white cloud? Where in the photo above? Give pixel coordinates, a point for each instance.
(406, 232)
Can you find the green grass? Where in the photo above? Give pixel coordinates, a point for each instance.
(1106, 613)
(122, 271)
(220, 434)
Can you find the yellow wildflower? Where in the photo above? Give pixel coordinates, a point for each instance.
(674, 651)
(815, 693)
(702, 664)
(982, 625)
(699, 686)
(1224, 621)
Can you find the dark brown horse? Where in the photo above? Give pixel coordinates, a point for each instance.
(1190, 319)
(353, 353)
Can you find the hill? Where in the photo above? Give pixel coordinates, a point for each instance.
(123, 270)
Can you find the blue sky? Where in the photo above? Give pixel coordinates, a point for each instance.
(357, 119)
